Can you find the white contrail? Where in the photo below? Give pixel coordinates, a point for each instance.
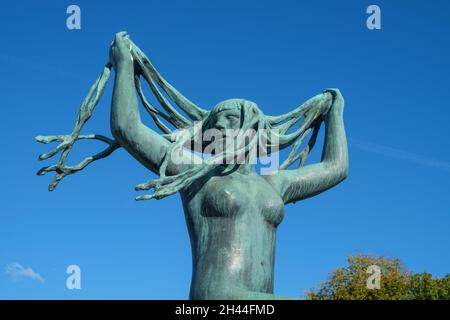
(400, 154)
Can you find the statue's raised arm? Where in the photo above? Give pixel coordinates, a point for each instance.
(307, 181)
(149, 147)
(144, 144)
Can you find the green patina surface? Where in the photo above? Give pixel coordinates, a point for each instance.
(231, 211)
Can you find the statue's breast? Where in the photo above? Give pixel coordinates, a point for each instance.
(237, 194)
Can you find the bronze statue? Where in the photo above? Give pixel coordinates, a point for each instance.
(231, 211)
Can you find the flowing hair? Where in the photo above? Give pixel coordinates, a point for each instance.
(283, 131)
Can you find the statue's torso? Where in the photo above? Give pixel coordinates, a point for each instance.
(232, 221)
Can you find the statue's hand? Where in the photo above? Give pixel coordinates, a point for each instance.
(338, 100)
(119, 52)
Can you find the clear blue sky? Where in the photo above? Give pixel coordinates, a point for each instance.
(278, 53)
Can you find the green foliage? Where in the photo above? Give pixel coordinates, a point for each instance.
(423, 286)
(350, 283)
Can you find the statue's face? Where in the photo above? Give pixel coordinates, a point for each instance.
(227, 119)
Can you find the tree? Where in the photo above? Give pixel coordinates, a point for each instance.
(396, 283)
(423, 286)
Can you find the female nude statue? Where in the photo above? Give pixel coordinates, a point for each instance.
(231, 211)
